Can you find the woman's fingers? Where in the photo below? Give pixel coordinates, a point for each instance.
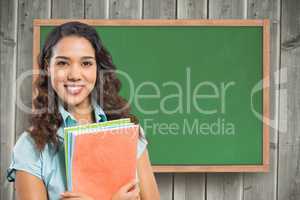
(74, 196)
(129, 191)
(70, 194)
(129, 186)
(134, 194)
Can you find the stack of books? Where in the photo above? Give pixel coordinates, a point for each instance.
(101, 157)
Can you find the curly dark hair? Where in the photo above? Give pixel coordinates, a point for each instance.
(45, 124)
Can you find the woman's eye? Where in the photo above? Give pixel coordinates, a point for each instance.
(87, 63)
(61, 63)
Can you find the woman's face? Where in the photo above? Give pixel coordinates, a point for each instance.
(73, 69)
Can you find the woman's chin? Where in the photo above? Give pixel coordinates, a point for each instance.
(74, 101)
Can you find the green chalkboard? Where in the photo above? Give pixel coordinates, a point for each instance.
(194, 89)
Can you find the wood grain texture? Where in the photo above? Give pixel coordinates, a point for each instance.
(125, 9)
(189, 186)
(263, 186)
(289, 116)
(67, 9)
(16, 48)
(8, 57)
(159, 9)
(28, 10)
(266, 94)
(165, 185)
(227, 9)
(157, 22)
(210, 168)
(96, 9)
(192, 9)
(225, 186)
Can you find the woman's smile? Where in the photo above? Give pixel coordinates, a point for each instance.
(74, 89)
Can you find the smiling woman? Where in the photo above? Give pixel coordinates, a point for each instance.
(73, 68)
(79, 86)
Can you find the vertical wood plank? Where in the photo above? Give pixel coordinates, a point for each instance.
(28, 10)
(67, 9)
(190, 186)
(191, 9)
(165, 185)
(262, 186)
(225, 186)
(155, 9)
(8, 57)
(289, 117)
(159, 9)
(222, 9)
(96, 9)
(125, 9)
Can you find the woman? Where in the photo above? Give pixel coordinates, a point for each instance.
(77, 80)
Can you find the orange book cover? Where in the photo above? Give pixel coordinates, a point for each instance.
(104, 161)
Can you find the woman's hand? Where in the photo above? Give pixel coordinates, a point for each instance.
(74, 196)
(130, 191)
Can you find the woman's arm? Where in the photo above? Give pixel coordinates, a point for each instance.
(29, 187)
(148, 186)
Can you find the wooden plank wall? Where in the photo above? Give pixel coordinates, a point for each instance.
(283, 181)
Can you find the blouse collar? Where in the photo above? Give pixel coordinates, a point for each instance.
(69, 120)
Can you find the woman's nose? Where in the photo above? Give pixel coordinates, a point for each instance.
(74, 72)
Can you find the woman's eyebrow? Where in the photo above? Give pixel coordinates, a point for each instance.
(63, 57)
(66, 58)
(87, 57)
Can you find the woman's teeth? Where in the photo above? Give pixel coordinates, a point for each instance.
(72, 89)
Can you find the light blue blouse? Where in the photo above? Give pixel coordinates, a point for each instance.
(49, 165)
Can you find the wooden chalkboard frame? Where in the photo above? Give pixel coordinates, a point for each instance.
(264, 23)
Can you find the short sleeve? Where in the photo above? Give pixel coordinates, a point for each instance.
(25, 157)
(142, 142)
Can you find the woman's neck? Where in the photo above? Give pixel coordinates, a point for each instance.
(82, 112)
